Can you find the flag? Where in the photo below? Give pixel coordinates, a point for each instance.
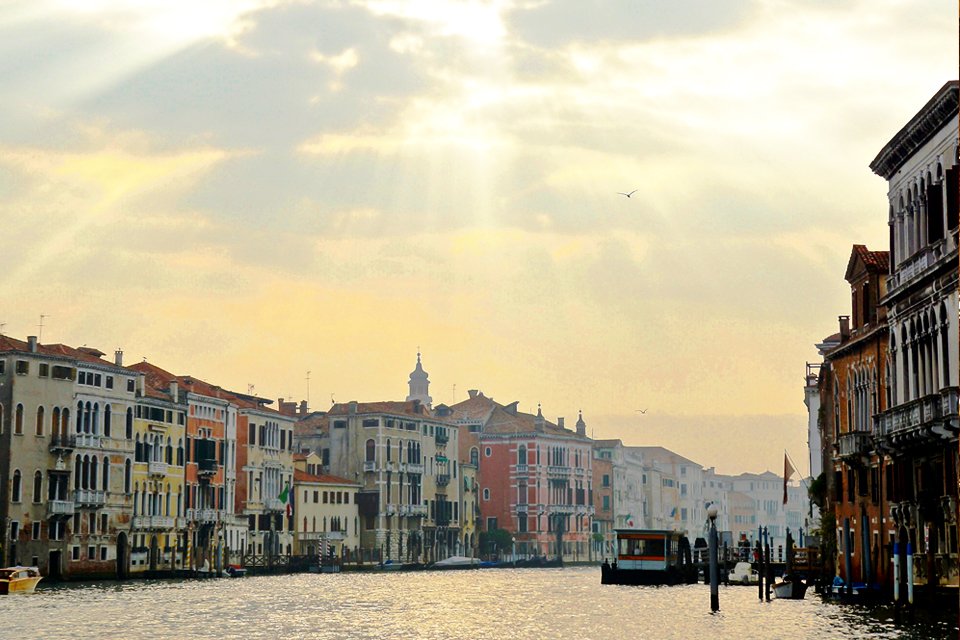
(787, 472)
(630, 522)
(673, 512)
(286, 497)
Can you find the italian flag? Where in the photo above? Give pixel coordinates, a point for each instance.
(630, 520)
(286, 497)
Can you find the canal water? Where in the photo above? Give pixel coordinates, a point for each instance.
(494, 604)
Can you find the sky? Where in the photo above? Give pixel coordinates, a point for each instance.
(247, 191)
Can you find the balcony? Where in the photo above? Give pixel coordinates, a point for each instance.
(417, 510)
(157, 468)
(522, 468)
(926, 419)
(61, 443)
(558, 472)
(915, 266)
(441, 437)
(369, 466)
(443, 480)
(854, 444)
(87, 441)
(273, 504)
(59, 508)
(207, 467)
(89, 498)
(391, 509)
(204, 516)
(561, 509)
(413, 467)
(153, 523)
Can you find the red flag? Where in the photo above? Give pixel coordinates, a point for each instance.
(787, 472)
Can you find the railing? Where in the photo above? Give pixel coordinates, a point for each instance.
(854, 443)
(89, 498)
(204, 515)
(369, 466)
(414, 467)
(391, 509)
(207, 466)
(522, 468)
(915, 265)
(443, 480)
(273, 504)
(157, 468)
(417, 510)
(62, 442)
(442, 437)
(403, 509)
(561, 508)
(558, 471)
(153, 522)
(88, 440)
(916, 412)
(59, 508)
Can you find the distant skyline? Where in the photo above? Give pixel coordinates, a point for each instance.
(246, 191)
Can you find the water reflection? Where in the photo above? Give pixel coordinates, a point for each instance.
(485, 604)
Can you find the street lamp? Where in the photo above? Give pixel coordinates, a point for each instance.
(714, 570)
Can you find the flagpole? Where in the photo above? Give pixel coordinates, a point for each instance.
(802, 481)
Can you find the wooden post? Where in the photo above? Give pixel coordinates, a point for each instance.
(760, 569)
(769, 564)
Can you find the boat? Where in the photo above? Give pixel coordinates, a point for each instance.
(236, 571)
(650, 556)
(456, 562)
(790, 588)
(19, 579)
(743, 573)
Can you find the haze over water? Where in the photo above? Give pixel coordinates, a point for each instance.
(559, 604)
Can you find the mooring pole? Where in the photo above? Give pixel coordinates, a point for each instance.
(714, 568)
(760, 569)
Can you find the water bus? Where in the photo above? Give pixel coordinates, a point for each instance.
(650, 556)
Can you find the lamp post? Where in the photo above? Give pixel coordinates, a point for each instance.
(714, 569)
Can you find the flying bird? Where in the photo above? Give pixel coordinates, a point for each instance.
(640, 410)
(626, 194)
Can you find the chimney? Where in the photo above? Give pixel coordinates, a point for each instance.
(472, 392)
(32, 343)
(118, 357)
(844, 328)
(174, 391)
(560, 422)
(512, 407)
(303, 408)
(352, 407)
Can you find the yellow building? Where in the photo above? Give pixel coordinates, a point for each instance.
(157, 527)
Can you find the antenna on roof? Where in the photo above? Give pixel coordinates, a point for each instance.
(2, 325)
(454, 393)
(40, 326)
(251, 389)
(308, 387)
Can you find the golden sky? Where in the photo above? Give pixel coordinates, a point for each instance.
(246, 191)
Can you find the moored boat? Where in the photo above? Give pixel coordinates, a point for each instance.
(456, 562)
(790, 588)
(650, 556)
(19, 579)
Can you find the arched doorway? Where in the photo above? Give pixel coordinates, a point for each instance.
(122, 556)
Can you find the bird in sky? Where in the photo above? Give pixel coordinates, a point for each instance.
(626, 194)
(640, 410)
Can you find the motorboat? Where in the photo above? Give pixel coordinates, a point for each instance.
(19, 579)
(456, 562)
(790, 588)
(650, 556)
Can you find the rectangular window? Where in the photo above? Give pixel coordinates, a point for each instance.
(97, 380)
(109, 382)
(103, 552)
(44, 370)
(130, 386)
(326, 497)
(339, 424)
(683, 513)
(371, 422)
(23, 367)
(75, 552)
(3, 367)
(606, 480)
(36, 531)
(491, 524)
(91, 553)
(606, 503)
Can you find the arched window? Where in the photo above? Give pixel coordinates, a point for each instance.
(371, 451)
(55, 421)
(93, 472)
(136, 494)
(138, 450)
(18, 420)
(388, 450)
(180, 452)
(486, 494)
(37, 486)
(77, 472)
(15, 487)
(87, 410)
(129, 425)
(107, 413)
(65, 421)
(79, 417)
(95, 425)
(106, 473)
(169, 450)
(522, 455)
(475, 456)
(126, 475)
(39, 421)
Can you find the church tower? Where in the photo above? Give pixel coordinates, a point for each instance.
(420, 385)
(581, 426)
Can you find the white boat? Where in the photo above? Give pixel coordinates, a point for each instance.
(790, 588)
(19, 579)
(457, 562)
(743, 573)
